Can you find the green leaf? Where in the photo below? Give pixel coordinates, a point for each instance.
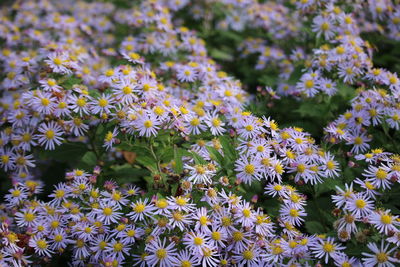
(89, 159)
(231, 35)
(345, 91)
(174, 188)
(127, 173)
(314, 227)
(312, 109)
(268, 80)
(67, 84)
(391, 207)
(143, 155)
(198, 159)
(178, 160)
(67, 152)
(296, 74)
(148, 162)
(215, 155)
(227, 147)
(326, 186)
(220, 55)
(167, 154)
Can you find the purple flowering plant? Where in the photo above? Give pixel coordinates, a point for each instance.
(199, 133)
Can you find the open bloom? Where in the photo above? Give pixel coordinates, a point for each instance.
(161, 255)
(50, 135)
(40, 245)
(200, 174)
(147, 124)
(380, 256)
(326, 248)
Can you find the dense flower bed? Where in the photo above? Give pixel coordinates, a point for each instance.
(139, 133)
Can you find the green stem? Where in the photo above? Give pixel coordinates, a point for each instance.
(154, 155)
(93, 146)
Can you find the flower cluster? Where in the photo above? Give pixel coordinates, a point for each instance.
(340, 59)
(132, 98)
(361, 212)
(336, 25)
(108, 225)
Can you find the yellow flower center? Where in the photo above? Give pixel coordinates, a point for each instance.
(278, 187)
(278, 168)
(382, 257)
(216, 122)
(301, 168)
(198, 241)
(12, 238)
(277, 250)
(134, 56)
(139, 208)
(292, 244)
(226, 221)
(29, 217)
(41, 243)
(26, 137)
(102, 245)
(248, 255)
(358, 141)
(203, 220)
(294, 213)
(249, 169)
(249, 128)
(161, 203)
(246, 213)
(360, 203)
(118, 247)
(386, 219)
(81, 102)
(120, 227)
(330, 165)
(109, 73)
(103, 102)
(107, 211)
(159, 111)
(148, 124)
(340, 50)
(237, 236)
(381, 174)
(57, 61)
(185, 263)
(146, 87)
(161, 253)
(16, 193)
(328, 247)
(177, 216)
(58, 238)
(54, 224)
(45, 102)
(131, 233)
(181, 201)
(108, 137)
(127, 90)
(50, 134)
(216, 235)
(369, 186)
(309, 84)
(195, 122)
(325, 26)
